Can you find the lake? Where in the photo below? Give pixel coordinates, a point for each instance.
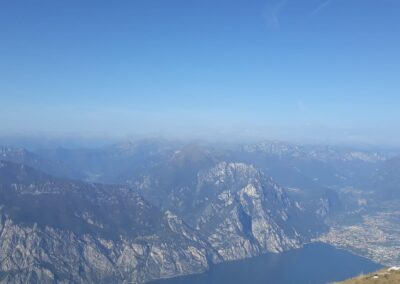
(313, 264)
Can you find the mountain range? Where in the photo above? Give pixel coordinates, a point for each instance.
(146, 210)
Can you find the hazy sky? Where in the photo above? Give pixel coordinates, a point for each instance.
(325, 70)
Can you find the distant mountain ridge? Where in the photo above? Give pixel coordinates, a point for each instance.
(314, 151)
(386, 180)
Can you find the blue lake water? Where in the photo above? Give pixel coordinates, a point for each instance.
(313, 264)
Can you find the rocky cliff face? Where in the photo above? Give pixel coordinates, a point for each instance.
(240, 212)
(243, 212)
(89, 233)
(31, 254)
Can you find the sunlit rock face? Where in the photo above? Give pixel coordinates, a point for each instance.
(240, 212)
(245, 212)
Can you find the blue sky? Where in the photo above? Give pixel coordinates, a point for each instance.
(323, 70)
